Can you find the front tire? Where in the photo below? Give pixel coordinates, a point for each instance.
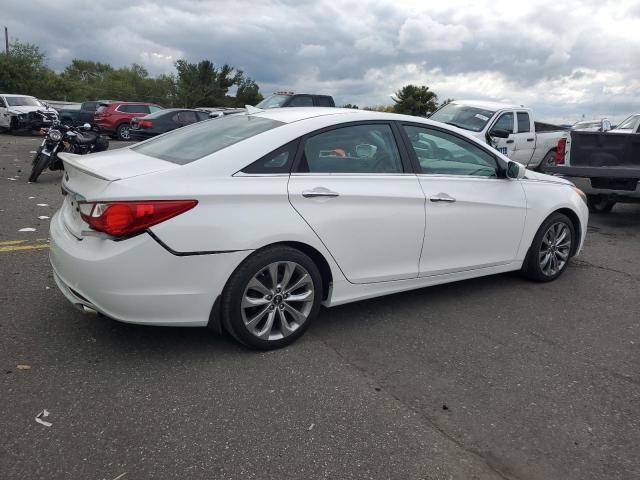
(271, 298)
(123, 132)
(38, 167)
(551, 249)
(599, 204)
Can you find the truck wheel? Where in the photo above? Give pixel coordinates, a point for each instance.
(123, 132)
(599, 203)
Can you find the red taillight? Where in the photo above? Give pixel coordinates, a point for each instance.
(126, 218)
(145, 123)
(560, 151)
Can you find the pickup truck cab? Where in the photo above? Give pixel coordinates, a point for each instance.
(79, 116)
(510, 129)
(290, 99)
(24, 112)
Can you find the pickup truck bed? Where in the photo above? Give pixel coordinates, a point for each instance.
(606, 166)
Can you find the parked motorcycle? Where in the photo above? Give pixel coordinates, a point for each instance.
(62, 138)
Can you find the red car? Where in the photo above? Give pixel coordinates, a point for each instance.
(115, 118)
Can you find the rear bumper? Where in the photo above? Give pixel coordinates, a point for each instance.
(137, 280)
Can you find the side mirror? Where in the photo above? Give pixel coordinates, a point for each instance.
(86, 126)
(515, 170)
(605, 125)
(500, 133)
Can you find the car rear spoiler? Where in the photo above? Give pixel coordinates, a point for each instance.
(72, 159)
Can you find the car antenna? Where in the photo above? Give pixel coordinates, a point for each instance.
(251, 109)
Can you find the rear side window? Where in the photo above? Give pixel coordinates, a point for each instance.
(278, 161)
(524, 125)
(187, 117)
(353, 149)
(191, 143)
(133, 109)
(301, 101)
(324, 102)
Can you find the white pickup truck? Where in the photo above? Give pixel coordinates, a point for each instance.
(509, 128)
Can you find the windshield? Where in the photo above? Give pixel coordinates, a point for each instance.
(23, 102)
(190, 143)
(273, 101)
(629, 122)
(462, 116)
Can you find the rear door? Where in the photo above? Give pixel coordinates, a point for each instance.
(525, 138)
(354, 190)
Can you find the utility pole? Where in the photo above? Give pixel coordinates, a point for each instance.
(6, 40)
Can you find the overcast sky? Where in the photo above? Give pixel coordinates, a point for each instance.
(563, 58)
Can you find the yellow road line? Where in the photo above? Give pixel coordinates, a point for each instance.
(13, 242)
(17, 248)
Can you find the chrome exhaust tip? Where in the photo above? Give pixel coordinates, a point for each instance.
(85, 309)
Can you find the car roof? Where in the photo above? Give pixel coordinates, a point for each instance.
(15, 95)
(487, 105)
(132, 103)
(295, 114)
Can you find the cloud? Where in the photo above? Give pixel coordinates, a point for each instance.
(422, 34)
(564, 59)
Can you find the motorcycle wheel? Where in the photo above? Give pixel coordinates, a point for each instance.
(39, 165)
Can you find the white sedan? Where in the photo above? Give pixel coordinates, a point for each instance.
(250, 223)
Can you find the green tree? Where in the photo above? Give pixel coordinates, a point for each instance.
(415, 100)
(349, 105)
(248, 92)
(24, 70)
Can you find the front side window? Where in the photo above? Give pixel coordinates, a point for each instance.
(441, 153)
(352, 149)
(273, 101)
(504, 122)
(324, 102)
(191, 143)
(524, 124)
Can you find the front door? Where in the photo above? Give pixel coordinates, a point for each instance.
(475, 218)
(353, 190)
(505, 146)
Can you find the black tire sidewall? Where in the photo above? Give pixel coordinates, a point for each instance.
(531, 268)
(234, 290)
(599, 205)
(38, 167)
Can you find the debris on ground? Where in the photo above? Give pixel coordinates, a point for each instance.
(23, 367)
(43, 414)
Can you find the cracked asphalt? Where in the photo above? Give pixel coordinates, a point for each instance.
(493, 378)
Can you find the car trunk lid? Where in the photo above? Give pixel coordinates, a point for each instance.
(87, 177)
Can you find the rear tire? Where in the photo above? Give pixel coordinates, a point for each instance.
(271, 298)
(551, 249)
(38, 166)
(599, 204)
(123, 132)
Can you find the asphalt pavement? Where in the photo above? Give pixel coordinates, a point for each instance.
(492, 378)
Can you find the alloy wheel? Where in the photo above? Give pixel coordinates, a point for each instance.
(555, 249)
(277, 300)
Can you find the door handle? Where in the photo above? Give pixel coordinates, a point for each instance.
(442, 197)
(509, 141)
(529, 139)
(319, 192)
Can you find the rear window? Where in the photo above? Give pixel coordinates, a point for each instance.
(188, 144)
